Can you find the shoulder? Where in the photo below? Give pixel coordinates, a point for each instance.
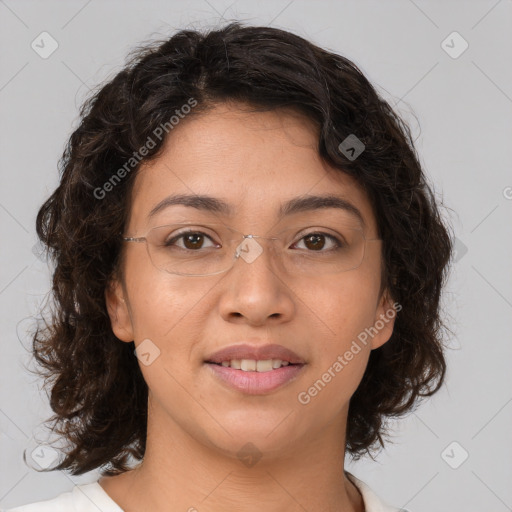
(61, 503)
(82, 498)
(91, 497)
(372, 502)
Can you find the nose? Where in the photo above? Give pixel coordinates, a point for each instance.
(254, 290)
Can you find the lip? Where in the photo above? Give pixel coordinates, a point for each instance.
(252, 382)
(255, 383)
(259, 353)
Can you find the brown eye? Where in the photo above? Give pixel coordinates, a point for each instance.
(315, 242)
(192, 240)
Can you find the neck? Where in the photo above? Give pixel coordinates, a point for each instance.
(179, 473)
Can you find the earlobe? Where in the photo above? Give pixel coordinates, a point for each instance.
(384, 319)
(118, 311)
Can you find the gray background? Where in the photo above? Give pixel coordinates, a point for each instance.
(464, 108)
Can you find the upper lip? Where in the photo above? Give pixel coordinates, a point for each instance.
(259, 353)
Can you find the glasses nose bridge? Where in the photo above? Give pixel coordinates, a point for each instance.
(249, 247)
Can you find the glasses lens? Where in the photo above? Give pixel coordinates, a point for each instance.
(317, 251)
(190, 249)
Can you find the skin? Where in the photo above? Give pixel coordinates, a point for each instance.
(196, 425)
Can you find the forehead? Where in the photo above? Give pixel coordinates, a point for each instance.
(253, 161)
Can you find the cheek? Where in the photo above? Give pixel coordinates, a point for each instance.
(162, 305)
(166, 310)
(346, 306)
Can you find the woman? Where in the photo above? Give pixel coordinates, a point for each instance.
(249, 264)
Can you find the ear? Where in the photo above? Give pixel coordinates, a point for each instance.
(118, 310)
(384, 322)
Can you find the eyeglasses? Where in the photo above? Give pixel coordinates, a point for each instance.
(194, 250)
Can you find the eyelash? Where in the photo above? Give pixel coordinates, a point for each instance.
(337, 243)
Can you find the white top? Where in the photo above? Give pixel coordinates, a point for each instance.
(92, 497)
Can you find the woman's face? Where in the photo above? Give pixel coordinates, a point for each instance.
(254, 162)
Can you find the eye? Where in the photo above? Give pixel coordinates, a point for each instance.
(316, 241)
(191, 240)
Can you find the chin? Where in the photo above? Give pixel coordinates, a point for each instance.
(266, 433)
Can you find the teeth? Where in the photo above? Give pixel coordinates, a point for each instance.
(248, 365)
(251, 365)
(264, 366)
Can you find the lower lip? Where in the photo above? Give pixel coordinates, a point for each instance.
(256, 383)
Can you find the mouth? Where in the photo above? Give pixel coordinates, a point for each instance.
(255, 369)
(253, 365)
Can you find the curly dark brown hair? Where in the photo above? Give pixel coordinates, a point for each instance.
(98, 393)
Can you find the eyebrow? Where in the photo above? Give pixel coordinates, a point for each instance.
(295, 205)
